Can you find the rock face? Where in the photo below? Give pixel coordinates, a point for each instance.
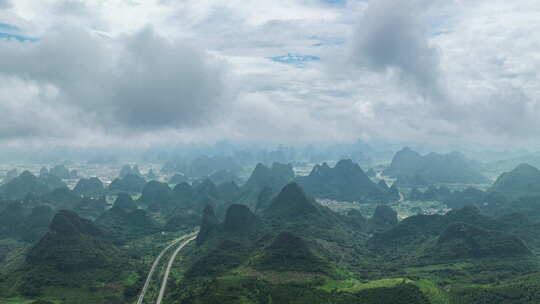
(345, 182)
(89, 186)
(413, 169)
(384, 218)
(462, 240)
(209, 224)
(524, 180)
(130, 183)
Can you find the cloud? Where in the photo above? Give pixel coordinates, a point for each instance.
(392, 36)
(130, 84)
(5, 4)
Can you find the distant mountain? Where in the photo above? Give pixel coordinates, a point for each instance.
(228, 191)
(89, 187)
(156, 195)
(62, 172)
(130, 183)
(273, 178)
(413, 169)
(202, 167)
(223, 176)
(461, 234)
(524, 180)
(178, 178)
(27, 183)
(344, 182)
(129, 170)
(63, 198)
(125, 224)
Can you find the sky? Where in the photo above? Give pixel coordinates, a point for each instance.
(144, 72)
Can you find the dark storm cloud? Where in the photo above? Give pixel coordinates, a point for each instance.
(392, 36)
(136, 83)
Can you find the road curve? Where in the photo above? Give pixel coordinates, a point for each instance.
(156, 263)
(169, 266)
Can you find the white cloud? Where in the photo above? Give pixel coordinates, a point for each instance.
(463, 71)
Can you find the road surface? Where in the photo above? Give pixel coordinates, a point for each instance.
(156, 263)
(169, 266)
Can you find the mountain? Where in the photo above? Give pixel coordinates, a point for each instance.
(524, 180)
(460, 234)
(462, 240)
(290, 203)
(209, 224)
(129, 170)
(274, 178)
(63, 198)
(19, 187)
(130, 183)
(51, 181)
(156, 195)
(383, 218)
(223, 176)
(178, 179)
(413, 169)
(34, 226)
(62, 172)
(228, 191)
(125, 202)
(89, 187)
(405, 161)
(285, 255)
(126, 224)
(73, 253)
(239, 220)
(290, 253)
(345, 182)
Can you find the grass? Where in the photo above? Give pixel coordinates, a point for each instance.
(19, 300)
(435, 294)
(353, 286)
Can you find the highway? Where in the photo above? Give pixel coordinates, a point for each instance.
(190, 236)
(169, 266)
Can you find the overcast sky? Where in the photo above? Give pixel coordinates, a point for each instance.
(107, 72)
